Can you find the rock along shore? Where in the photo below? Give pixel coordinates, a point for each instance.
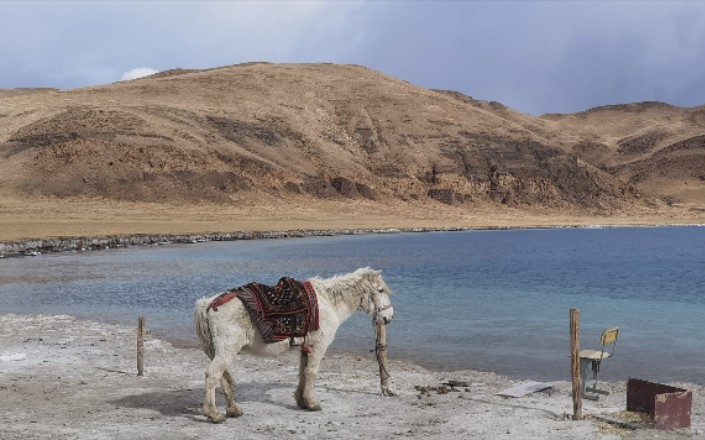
(62, 244)
(34, 247)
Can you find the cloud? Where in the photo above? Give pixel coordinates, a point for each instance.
(537, 57)
(138, 72)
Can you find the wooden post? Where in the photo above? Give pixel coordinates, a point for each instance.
(575, 363)
(381, 353)
(140, 346)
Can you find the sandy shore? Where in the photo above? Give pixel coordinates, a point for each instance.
(63, 378)
(40, 218)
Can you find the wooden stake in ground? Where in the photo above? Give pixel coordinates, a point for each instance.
(140, 346)
(381, 353)
(575, 363)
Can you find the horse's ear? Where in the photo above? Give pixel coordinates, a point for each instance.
(374, 274)
(367, 272)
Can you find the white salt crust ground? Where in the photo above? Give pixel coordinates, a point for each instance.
(64, 378)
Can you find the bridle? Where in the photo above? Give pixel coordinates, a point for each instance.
(377, 308)
(382, 309)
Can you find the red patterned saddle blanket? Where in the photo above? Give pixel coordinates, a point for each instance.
(287, 310)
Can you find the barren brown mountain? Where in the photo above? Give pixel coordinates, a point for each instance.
(331, 138)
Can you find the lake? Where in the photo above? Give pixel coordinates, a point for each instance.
(485, 300)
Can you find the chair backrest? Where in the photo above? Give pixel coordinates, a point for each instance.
(609, 336)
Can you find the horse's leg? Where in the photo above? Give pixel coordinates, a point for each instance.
(218, 372)
(308, 371)
(213, 375)
(299, 394)
(227, 384)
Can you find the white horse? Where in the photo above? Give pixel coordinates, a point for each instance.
(229, 330)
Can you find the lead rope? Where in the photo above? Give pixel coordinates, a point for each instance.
(384, 374)
(378, 349)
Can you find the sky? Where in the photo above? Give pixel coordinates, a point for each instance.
(534, 56)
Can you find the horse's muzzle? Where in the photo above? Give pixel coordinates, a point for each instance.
(382, 320)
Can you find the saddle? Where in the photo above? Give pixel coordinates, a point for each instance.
(285, 311)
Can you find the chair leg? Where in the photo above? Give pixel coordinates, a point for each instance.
(584, 368)
(593, 383)
(598, 391)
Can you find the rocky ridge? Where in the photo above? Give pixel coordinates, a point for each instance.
(340, 132)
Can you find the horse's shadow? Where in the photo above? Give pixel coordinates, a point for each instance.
(187, 402)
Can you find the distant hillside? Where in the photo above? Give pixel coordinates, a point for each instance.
(324, 131)
(658, 148)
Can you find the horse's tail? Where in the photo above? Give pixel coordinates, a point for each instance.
(203, 329)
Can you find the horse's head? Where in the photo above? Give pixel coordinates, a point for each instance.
(376, 302)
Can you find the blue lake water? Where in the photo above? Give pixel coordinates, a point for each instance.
(486, 300)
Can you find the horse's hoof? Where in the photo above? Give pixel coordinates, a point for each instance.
(218, 418)
(300, 400)
(235, 411)
(311, 407)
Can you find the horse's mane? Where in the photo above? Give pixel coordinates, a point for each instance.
(348, 288)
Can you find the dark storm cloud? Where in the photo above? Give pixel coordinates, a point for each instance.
(543, 57)
(537, 57)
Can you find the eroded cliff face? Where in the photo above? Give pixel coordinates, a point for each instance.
(328, 132)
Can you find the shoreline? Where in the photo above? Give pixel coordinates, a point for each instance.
(62, 377)
(37, 246)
